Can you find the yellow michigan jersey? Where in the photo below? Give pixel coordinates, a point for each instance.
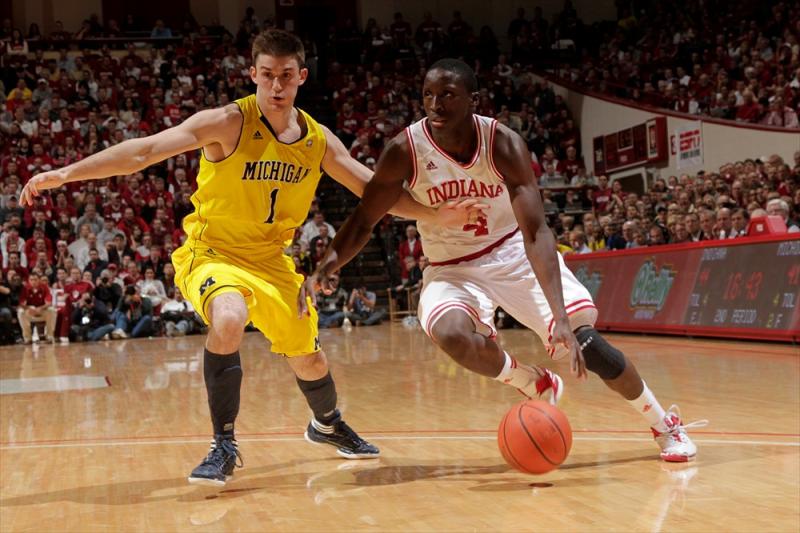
(247, 207)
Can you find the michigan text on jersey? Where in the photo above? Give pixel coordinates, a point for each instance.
(274, 171)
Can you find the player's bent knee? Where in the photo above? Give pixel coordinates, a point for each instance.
(453, 333)
(228, 324)
(601, 358)
(310, 364)
(227, 313)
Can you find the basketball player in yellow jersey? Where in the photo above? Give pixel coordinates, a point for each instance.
(261, 161)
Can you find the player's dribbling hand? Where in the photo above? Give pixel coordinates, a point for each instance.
(41, 182)
(563, 335)
(457, 213)
(308, 289)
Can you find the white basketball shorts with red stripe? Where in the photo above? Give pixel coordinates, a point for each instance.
(502, 277)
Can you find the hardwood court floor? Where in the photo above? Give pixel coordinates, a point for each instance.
(116, 458)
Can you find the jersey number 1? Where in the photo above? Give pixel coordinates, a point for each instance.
(273, 197)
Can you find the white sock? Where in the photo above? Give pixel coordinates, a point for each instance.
(647, 406)
(505, 373)
(518, 376)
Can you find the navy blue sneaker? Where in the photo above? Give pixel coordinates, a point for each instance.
(218, 465)
(342, 437)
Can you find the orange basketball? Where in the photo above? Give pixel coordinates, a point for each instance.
(534, 437)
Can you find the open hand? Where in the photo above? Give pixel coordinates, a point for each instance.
(308, 289)
(316, 282)
(563, 335)
(457, 213)
(41, 182)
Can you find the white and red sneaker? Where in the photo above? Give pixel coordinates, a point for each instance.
(675, 444)
(549, 387)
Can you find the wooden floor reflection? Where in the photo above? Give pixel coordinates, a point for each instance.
(116, 458)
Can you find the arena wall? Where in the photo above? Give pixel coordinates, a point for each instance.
(735, 288)
(723, 141)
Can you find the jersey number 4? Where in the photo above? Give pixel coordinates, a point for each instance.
(273, 197)
(480, 226)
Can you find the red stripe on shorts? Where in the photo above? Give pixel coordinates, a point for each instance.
(442, 307)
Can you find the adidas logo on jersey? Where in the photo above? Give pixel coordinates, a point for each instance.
(257, 136)
(431, 166)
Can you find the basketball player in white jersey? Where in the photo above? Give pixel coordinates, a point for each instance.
(506, 258)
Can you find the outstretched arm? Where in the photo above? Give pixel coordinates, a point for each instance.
(341, 166)
(511, 157)
(201, 129)
(380, 194)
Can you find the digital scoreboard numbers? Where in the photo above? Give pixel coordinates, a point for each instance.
(754, 286)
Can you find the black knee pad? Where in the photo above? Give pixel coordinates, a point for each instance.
(601, 358)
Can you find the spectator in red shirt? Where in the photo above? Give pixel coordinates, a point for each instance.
(62, 305)
(114, 209)
(129, 221)
(158, 231)
(368, 130)
(412, 246)
(14, 264)
(132, 274)
(35, 305)
(601, 197)
(570, 166)
(617, 194)
(38, 243)
(750, 110)
(62, 206)
(159, 191)
(347, 123)
(535, 166)
(361, 149)
(75, 285)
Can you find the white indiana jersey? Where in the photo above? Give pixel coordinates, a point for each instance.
(438, 178)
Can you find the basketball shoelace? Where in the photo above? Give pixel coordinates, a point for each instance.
(221, 450)
(343, 429)
(674, 412)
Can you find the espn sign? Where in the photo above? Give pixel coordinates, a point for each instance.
(690, 145)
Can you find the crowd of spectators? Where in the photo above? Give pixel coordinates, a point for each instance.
(686, 208)
(379, 94)
(92, 260)
(375, 77)
(735, 60)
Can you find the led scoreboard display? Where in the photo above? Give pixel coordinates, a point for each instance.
(744, 286)
(740, 288)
